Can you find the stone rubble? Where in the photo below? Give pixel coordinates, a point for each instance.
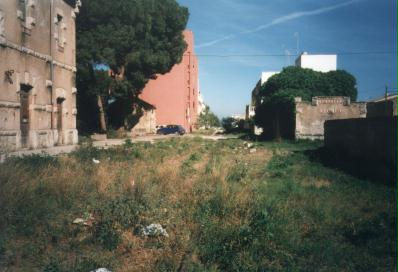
(88, 220)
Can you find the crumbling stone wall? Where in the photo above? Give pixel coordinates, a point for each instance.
(146, 124)
(311, 116)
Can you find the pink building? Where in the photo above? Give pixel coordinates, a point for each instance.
(174, 95)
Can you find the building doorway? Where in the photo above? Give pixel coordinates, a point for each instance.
(24, 114)
(59, 119)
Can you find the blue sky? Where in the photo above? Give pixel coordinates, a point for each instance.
(270, 27)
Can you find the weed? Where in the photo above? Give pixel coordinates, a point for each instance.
(85, 154)
(187, 165)
(238, 172)
(90, 263)
(34, 161)
(224, 210)
(280, 165)
(52, 266)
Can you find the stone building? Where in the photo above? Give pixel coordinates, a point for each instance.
(311, 116)
(37, 73)
(173, 96)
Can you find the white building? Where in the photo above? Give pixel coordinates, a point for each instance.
(266, 75)
(319, 63)
(201, 103)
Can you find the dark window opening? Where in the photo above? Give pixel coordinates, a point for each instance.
(26, 88)
(60, 100)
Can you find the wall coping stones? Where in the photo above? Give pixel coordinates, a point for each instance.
(12, 105)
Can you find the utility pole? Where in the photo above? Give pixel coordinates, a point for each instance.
(386, 93)
(386, 101)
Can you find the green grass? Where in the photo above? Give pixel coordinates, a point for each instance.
(225, 209)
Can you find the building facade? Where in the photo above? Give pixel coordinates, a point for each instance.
(37, 71)
(174, 96)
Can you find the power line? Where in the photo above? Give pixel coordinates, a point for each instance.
(284, 55)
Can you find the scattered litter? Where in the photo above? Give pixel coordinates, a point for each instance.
(253, 150)
(154, 230)
(79, 221)
(101, 270)
(250, 145)
(96, 161)
(87, 220)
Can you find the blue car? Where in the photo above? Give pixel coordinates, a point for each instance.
(171, 129)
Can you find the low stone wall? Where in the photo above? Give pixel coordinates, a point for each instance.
(311, 116)
(365, 139)
(146, 124)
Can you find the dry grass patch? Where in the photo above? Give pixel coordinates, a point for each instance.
(224, 208)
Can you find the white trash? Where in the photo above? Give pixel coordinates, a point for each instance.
(101, 270)
(154, 230)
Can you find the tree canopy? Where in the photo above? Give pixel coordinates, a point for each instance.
(136, 39)
(276, 112)
(208, 119)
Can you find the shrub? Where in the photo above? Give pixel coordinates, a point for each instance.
(116, 215)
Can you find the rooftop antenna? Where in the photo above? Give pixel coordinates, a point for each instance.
(287, 53)
(297, 36)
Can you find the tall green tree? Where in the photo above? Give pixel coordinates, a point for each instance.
(136, 39)
(276, 113)
(208, 119)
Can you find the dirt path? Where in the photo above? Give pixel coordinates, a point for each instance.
(56, 150)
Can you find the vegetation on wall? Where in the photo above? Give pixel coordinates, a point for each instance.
(276, 112)
(120, 46)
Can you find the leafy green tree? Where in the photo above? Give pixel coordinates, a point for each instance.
(136, 39)
(276, 113)
(229, 124)
(208, 119)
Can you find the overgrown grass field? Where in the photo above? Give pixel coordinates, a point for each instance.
(225, 207)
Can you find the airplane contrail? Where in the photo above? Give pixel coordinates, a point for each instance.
(280, 20)
(216, 41)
